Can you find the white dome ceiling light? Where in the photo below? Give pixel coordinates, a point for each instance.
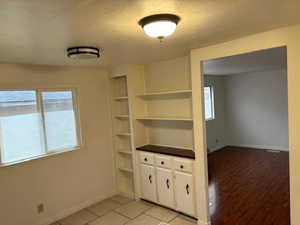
(159, 25)
(83, 52)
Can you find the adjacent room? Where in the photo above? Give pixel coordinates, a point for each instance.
(246, 115)
(149, 112)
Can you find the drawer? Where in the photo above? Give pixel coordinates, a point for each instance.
(163, 161)
(146, 158)
(183, 165)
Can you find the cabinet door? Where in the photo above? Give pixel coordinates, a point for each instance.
(148, 183)
(165, 187)
(184, 192)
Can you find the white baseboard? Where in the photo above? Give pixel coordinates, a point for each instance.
(73, 209)
(211, 150)
(203, 223)
(278, 148)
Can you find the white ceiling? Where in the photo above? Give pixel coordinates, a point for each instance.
(39, 31)
(264, 60)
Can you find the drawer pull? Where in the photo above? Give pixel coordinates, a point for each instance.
(145, 159)
(162, 162)
(150, 179)
(168, 185)
(187, 187)
(181, 166)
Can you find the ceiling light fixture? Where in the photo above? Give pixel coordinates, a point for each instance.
(83, 52)
(159, 25)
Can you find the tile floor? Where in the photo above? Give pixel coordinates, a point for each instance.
(120, 210)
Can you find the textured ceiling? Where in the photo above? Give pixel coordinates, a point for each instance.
(39, 31)
(265, 60)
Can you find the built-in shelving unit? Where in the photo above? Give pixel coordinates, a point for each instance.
(163, 105)
(152, 108)
(122, 129)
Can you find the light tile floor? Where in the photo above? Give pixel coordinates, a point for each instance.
(120, 210)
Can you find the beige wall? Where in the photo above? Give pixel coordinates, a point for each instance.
(68, 181)
(288, 36)
(256, 110)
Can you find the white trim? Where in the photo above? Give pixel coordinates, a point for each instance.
(73, 209)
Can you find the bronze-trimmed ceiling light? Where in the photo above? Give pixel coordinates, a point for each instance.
(83, 52)
(159, 25)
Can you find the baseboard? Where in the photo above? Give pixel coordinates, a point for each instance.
(73, 209)
(203, 223)
(263, 147)
(211, 150)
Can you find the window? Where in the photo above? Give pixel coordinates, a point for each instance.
(35, 123)
(209, 103)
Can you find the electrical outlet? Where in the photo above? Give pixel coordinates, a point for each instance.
(40, 208)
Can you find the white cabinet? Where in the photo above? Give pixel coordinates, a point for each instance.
(148, 183)
(184, 193)
(168, 181)
(165, 187)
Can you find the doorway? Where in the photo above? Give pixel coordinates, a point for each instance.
(246, 120)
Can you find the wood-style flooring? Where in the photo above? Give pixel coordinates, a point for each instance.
(249, 187)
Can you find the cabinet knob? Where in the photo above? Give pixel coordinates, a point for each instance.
(181, 166)
(168, 185)
(162, 162)
(145, 159)
(150, 179)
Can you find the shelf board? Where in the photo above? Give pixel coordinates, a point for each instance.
(118, 76)
(125, 152)
(165, 93)
(121, 98)
(123, 134)
(122, 116)
(174, 151)
(165, 118)
(126, 169)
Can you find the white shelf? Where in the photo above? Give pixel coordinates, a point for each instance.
(165, 118)
(121, 98)
(165, 93)
(118, 76)
(126, 152)
(123, 134)
(122, 116)
(129, 170)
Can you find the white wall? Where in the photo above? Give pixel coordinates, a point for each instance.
(257, 110)
(215, 129)
(250, 109)
(69, 181)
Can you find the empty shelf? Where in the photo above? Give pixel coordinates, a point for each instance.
(118, 76)
(123, 134)
(129, 170)
(165, 93)
(122, 116)
(121, 98)
(127, 152)
(165, 118)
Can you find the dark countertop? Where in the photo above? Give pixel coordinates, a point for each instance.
(168, 151)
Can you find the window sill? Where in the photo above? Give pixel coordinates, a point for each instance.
(210, 119)
(52, 153)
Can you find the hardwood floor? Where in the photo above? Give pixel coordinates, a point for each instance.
(249, 187)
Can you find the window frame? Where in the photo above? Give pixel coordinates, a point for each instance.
(212, 97)
(40, 108)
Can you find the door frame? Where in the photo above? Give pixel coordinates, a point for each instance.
(284, 37)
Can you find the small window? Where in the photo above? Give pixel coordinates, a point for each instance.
(34, 123)
(209, 103)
